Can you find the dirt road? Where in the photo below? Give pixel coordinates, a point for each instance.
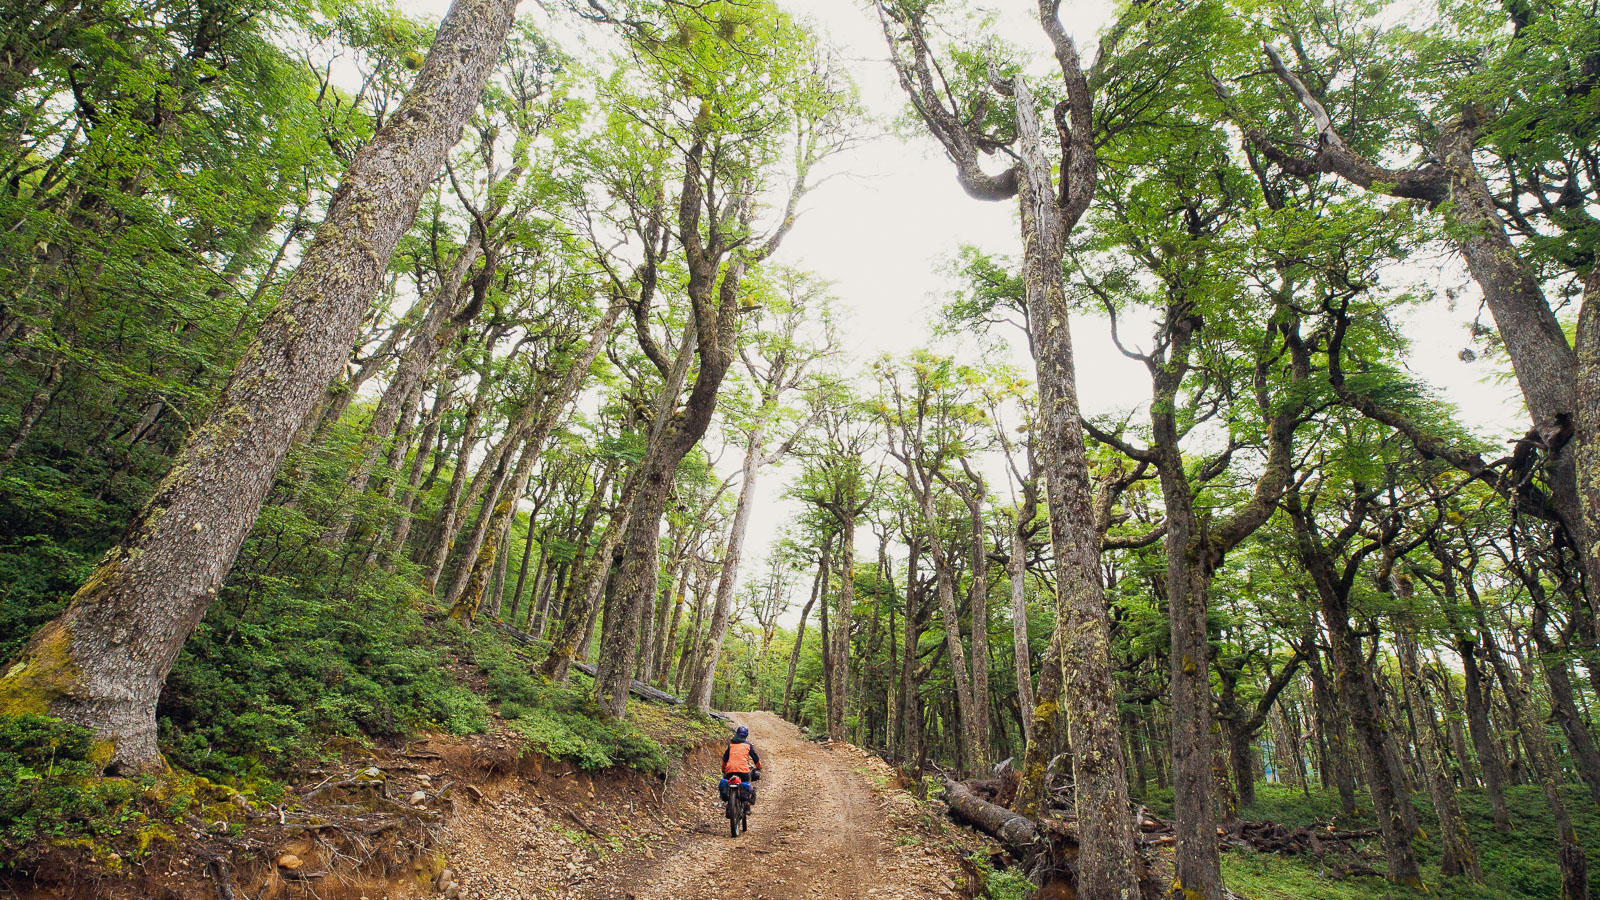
(818, 830)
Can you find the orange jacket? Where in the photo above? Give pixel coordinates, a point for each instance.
(739, 759)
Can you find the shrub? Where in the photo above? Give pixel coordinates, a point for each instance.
(46, 789)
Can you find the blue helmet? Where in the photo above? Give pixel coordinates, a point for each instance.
(741, 732)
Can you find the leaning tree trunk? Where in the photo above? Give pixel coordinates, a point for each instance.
(412, 366)
(443, 536)
(1573, 860)
(584, 589)
(426, 447)
(1490, 759)
(491, 478)
(101, 663)
(543, 416)
(710, 651)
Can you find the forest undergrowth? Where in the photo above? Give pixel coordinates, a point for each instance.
(1520, 863)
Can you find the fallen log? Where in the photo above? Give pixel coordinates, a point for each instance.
(517, 634)
(636, 687)
(1016, 833)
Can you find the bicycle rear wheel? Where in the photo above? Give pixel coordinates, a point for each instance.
(735, 815)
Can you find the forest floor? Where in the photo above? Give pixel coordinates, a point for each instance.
(828, 824)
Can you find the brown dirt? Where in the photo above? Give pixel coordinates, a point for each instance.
(825, 826)
(501, 824)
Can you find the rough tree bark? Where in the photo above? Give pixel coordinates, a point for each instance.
(101, 663)
(1354, 680)
(1017, 573)
(1107, 861)
(1107, 865)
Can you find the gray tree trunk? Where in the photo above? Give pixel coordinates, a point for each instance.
(839, 674)
(1017, 572)
(1108, 860)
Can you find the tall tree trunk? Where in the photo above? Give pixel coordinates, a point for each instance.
(1017, 571)
(1563, 708)
(535, 425)
(817, 590)
(909, 713)
(1358, 690)
(485, 557)
(1573, 860)
(33, 410)
(1586, 432)
(1490, 759)
(1194, 791)
(413, 364)
(839, 651)
(1107, 862)
(1440, 674)
(973, 497)
(709, 652)
(427, 445)
(444, 530)
(1333, 725)
(577, 618)
(691, 640)
(1460, 857)
(522, 569)
(669, 639)
(102, 662)
(973, 751)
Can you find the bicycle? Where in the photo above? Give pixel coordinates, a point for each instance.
(736, 807)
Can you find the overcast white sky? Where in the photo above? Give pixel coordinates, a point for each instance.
(880, 232)
(881, 228)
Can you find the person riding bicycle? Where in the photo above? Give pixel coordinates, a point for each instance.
(740, 759)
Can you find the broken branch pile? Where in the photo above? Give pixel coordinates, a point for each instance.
(1049, 847)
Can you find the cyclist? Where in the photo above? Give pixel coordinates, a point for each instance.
(740, 759)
